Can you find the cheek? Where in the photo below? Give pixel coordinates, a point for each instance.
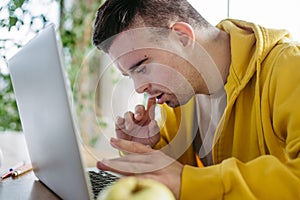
(166, 83)
(164, 77)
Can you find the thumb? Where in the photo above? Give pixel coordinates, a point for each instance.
(151, 108)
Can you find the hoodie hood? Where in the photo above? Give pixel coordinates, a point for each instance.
(250, 44)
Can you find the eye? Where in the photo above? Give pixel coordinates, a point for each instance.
(141, 69)
(126, 75)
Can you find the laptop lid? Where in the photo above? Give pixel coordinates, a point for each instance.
(43, 99)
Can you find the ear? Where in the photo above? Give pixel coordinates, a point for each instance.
(185, 32)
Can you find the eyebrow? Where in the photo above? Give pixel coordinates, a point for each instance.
(132, 68)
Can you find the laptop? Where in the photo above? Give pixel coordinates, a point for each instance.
(44, 102)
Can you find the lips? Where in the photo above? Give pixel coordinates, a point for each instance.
(160, 99)
(159, 96)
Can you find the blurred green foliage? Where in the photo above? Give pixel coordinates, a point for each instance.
(76, 25)
(75, 28)
(9, 117)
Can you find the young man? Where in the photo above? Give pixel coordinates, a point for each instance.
(241, 80)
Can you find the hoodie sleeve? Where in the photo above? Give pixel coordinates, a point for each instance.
(263, 178)
(272, 176)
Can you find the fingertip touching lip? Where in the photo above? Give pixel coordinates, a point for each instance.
(158, 97)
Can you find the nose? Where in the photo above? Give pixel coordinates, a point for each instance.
(141, 88)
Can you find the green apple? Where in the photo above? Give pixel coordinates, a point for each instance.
(133, 188)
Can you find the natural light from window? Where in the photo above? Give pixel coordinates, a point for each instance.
(277, 14)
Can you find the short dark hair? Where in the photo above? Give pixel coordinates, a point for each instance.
(115, 16)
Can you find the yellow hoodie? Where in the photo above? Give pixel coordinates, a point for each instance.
(257, 150)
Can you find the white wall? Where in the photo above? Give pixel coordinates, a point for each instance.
(212, 10)
(269, 13)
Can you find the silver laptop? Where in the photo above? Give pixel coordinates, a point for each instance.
(44, 102)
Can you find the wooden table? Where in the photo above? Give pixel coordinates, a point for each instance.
(26, 186)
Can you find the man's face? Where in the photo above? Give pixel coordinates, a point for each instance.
(156, 70)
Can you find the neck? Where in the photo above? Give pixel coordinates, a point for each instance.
(217, 45)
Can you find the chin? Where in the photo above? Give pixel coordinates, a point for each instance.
(172, 105)
(133, 188)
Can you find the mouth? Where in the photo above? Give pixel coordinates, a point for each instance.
(159, 96)
(160, 99)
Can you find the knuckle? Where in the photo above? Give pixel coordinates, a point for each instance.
(128, 114)
(139, 107)
(119, 120)
(129, 118)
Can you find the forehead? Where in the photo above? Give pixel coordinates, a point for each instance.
(132, 39)
(131, 46)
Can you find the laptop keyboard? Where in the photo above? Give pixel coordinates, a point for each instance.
(100, 180)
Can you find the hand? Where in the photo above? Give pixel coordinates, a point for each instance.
(144, 162)
(139, 126)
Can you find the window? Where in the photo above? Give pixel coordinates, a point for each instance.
(268, 13)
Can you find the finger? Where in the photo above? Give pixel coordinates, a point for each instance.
(151, 107)
(139, 112)
(120, 120)
(131, 164)
(153, 128)
(120, 134)
(128, 117)
(104, 165)
(129, 146)
(137, 163)
(120, 123)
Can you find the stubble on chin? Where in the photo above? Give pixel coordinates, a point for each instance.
(172, 104)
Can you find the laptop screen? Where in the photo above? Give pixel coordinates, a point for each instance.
(43, 99)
